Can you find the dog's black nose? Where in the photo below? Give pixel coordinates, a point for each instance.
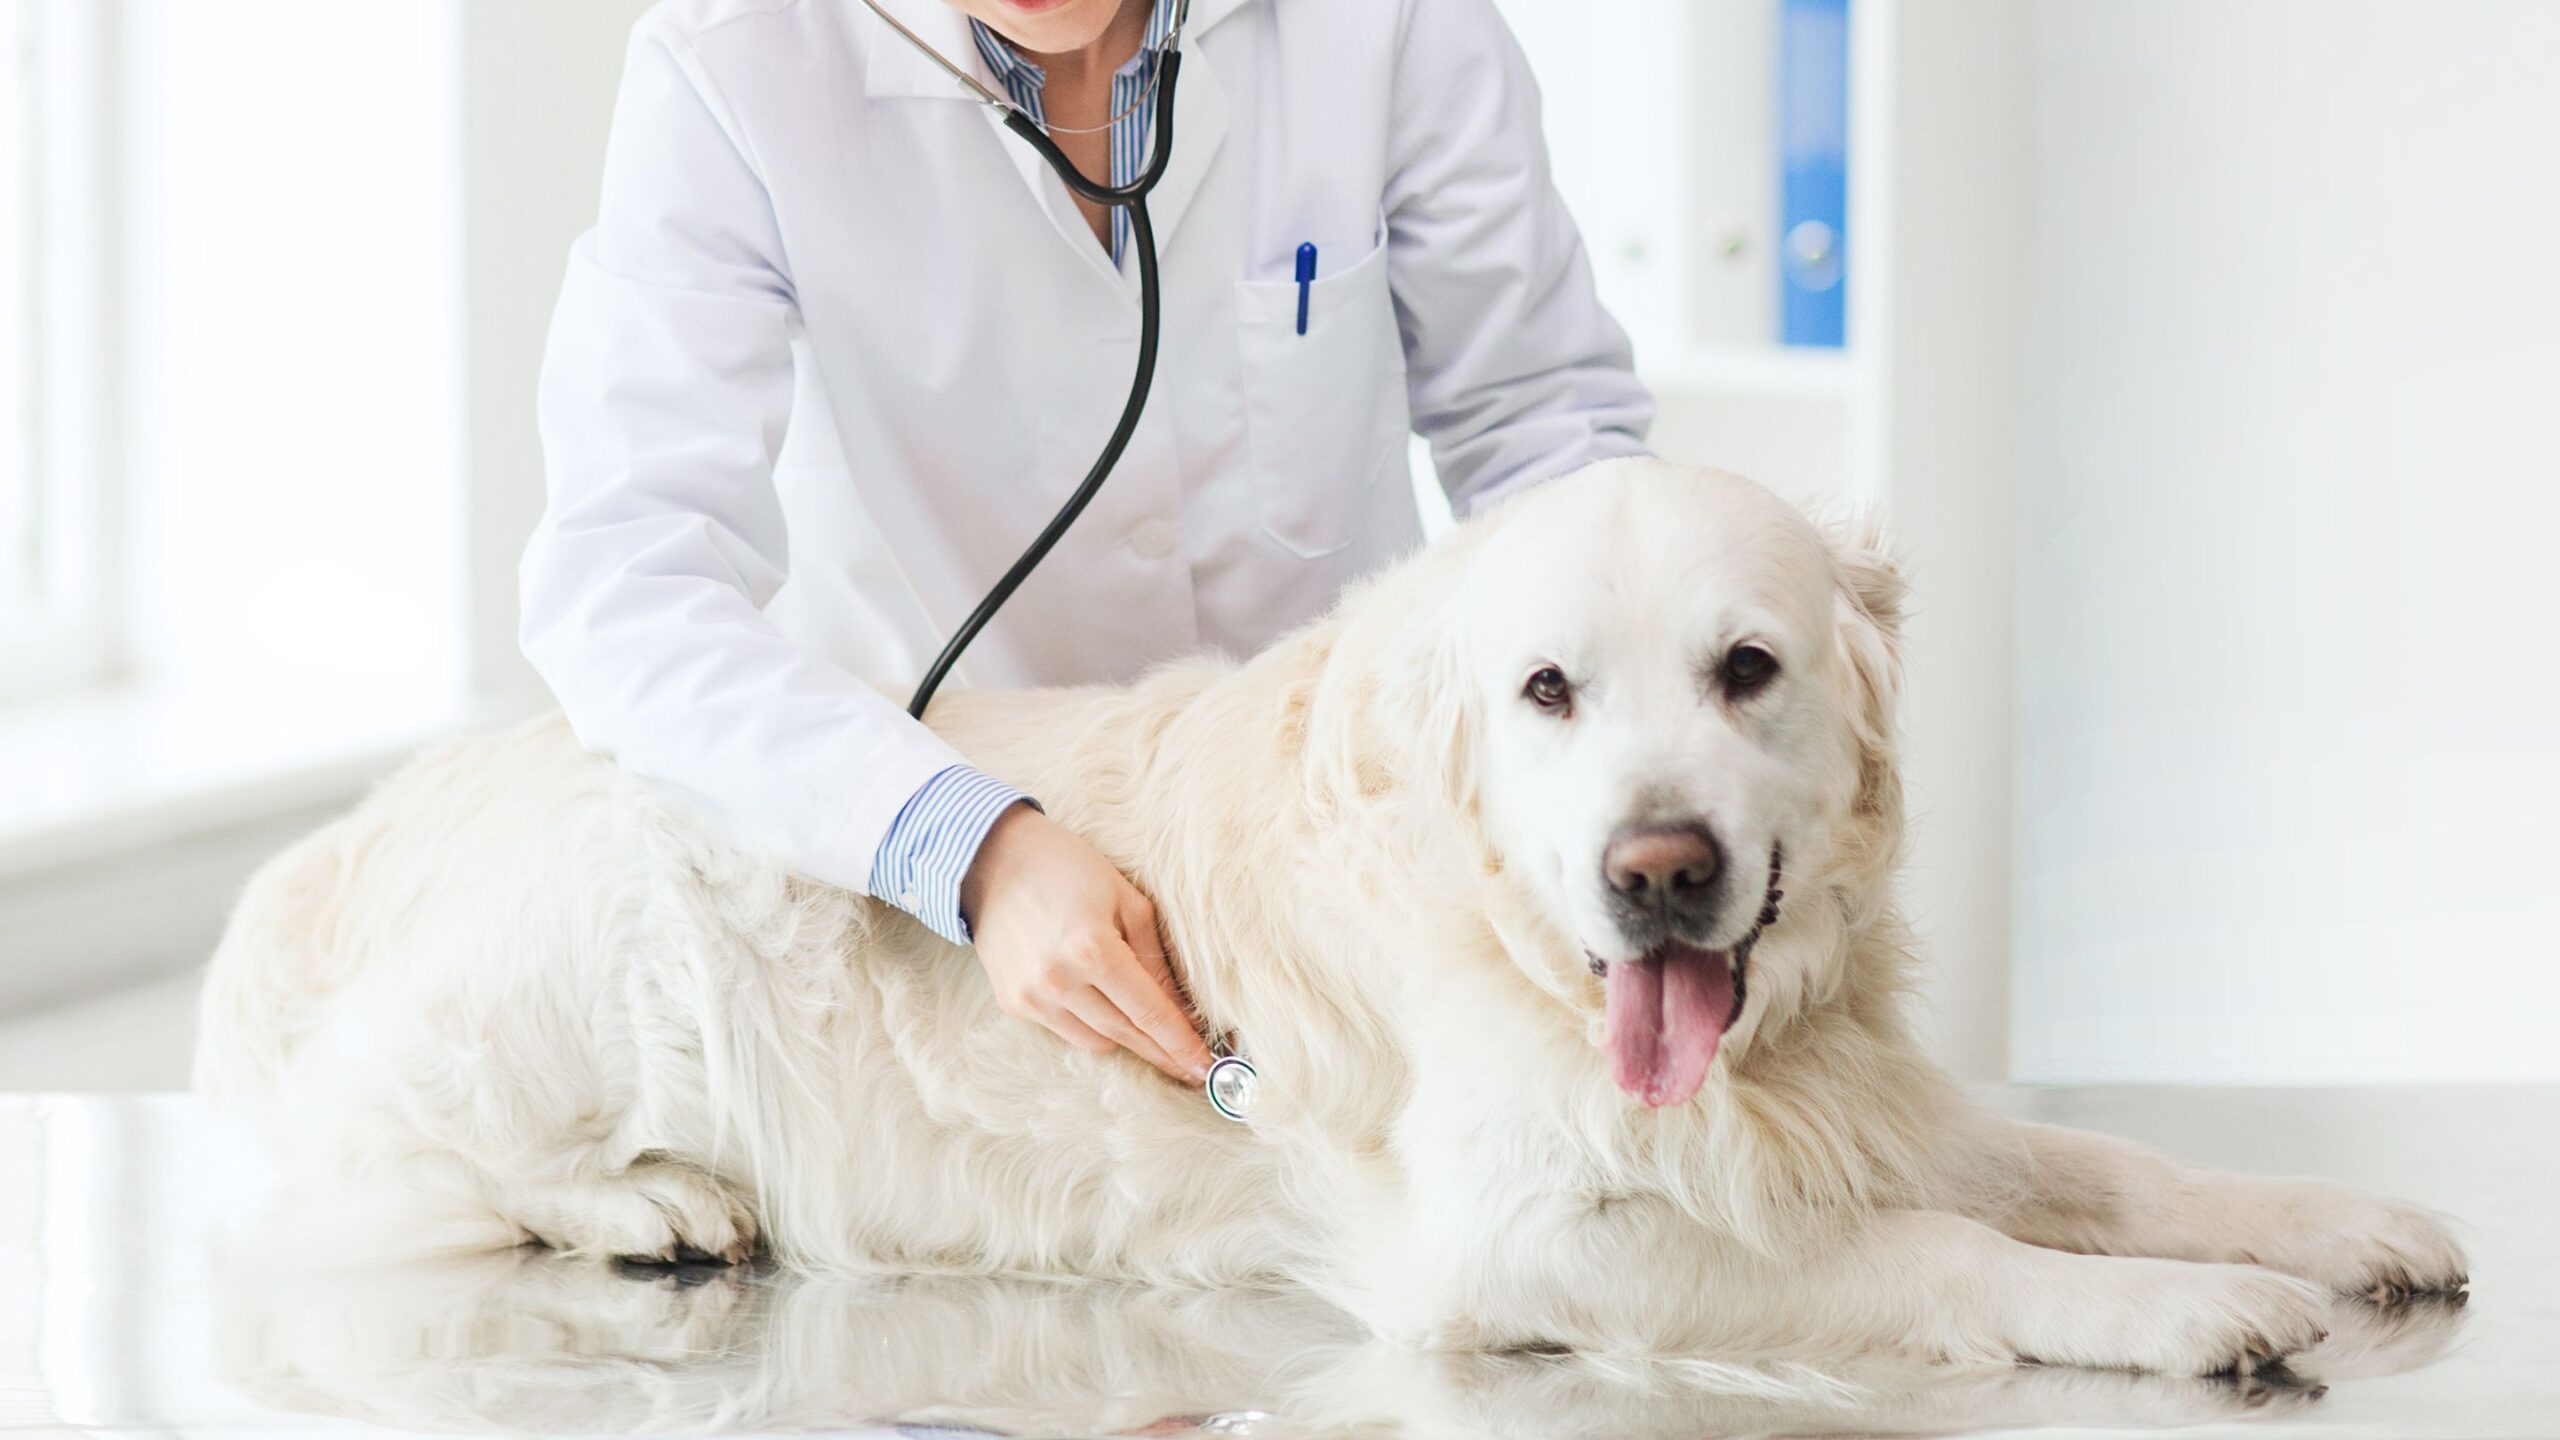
(1662, 867)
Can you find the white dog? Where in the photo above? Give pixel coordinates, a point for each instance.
(1547, 882)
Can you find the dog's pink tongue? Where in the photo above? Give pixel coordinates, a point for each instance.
(1666, 1018)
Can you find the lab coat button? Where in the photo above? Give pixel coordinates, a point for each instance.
(1154, 540)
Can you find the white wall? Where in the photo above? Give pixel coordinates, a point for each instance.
(537, 83)
(1938, 300)
(2288, 772)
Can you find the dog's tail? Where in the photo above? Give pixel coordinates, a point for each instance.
(280, 958)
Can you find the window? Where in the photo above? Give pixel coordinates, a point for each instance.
(231, 498)
(228, 280)
(52, 551)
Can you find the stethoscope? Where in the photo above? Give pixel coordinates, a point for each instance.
(1232, 1084)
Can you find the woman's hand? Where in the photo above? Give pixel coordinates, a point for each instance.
(1072, 946)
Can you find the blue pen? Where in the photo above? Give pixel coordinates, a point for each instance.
(1306, 281)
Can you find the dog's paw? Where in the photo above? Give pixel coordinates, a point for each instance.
(655, 1213)
(2235, 1320)
(2174, 1318)
(2355, 1244)
(702, 1219)
(2367, 1339)
(2045, 1396)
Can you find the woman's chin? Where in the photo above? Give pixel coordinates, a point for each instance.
(1047, 27)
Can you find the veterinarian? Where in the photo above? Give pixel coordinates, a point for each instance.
(811, 232)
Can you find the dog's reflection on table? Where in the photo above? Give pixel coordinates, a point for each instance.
(531, 1343)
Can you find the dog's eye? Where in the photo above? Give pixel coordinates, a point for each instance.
(1549, 691)
(1748, 669)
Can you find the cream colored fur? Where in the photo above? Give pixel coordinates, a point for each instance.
(517, 996)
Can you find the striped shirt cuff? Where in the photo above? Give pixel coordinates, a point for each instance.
(929, 847)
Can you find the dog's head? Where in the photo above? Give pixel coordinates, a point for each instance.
(1663, 696)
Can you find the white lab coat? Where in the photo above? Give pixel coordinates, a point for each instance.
(792, 194)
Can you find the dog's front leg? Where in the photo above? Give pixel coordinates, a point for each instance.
(1635, 1275)
(2098, 1195)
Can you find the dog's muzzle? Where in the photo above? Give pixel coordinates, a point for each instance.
(1665, 1013)
(1770, 899)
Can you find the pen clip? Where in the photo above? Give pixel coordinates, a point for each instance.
(1306, 281)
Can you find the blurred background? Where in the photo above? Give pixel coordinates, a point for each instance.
(2203, 354)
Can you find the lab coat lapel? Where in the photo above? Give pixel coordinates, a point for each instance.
(1051, 195)
(895, 69)
(1199, 128)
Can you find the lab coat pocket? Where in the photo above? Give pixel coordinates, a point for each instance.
(1325, 414)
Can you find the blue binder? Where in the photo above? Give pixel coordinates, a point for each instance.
(1813, 171)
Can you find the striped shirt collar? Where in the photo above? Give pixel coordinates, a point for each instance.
(1024, 81)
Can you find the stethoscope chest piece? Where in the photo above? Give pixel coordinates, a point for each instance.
(1233, 1085)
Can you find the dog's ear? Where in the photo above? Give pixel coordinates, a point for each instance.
(1444, 719)
(1867, 610)
(1387, 707)
(1866, 571)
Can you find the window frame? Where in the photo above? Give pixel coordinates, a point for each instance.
(59, 321)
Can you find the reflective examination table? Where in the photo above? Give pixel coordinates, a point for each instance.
(115, 1319)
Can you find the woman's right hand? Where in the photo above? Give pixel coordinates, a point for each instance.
(1071, 945)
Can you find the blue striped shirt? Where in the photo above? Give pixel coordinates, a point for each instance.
(1024, 83)
(926, 854)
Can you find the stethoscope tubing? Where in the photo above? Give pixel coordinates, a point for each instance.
(1133, 198)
